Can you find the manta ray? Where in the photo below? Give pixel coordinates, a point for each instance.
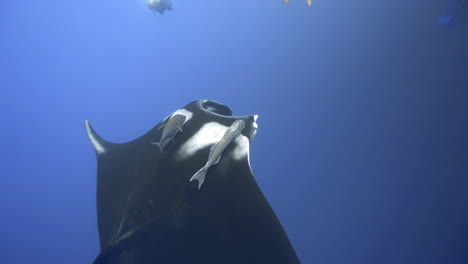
(193, 199)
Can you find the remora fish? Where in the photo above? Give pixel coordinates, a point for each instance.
(171, 128)
(217, 150)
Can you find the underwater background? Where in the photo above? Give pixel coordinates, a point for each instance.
(362, 141)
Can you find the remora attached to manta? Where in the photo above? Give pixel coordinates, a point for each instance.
(217, 150)
(173, 125)
(149, 210)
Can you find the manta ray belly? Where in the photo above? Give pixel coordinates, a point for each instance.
(241, 150)
(209, 134)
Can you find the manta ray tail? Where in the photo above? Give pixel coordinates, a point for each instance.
(200, 176)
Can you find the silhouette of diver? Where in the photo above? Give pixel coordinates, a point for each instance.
(454, 10)
(159, 6)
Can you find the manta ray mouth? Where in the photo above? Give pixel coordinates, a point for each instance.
(215, 107)
(219, 109)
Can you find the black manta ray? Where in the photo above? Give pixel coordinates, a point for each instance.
(151, 210)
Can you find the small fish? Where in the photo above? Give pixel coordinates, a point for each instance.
(451, 16)
(217, 149)
(173, 125)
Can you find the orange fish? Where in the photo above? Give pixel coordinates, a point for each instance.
(309, 2)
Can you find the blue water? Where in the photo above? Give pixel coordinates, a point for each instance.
(362, 141)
